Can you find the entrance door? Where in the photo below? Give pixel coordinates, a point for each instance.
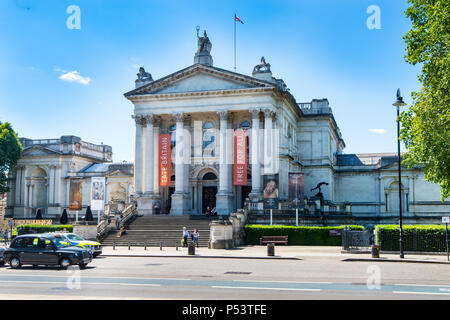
(209, 198)
(245, 192)
(169, 205)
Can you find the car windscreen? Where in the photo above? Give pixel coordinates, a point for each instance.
(74, 237)
(61, 242)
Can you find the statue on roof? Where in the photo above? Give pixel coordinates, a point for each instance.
(204, 45)
(262, 67)
(143, 75)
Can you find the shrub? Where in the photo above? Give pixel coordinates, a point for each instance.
(429, 238)
(36, 228)
(303, 235)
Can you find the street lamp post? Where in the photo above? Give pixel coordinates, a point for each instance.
(399, 103)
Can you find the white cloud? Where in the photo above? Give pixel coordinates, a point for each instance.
(75, 76)
(378, 131)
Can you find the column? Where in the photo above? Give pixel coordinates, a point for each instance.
(223, 168)
(179, 199)
(179, 163)
(269, 152)
(138, 156)
(256, 193)
(224, 198)
(149, 154)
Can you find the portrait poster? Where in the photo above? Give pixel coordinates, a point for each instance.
(270, 191)
(164, 156)
(98, 193)
(75, 196)
(296, 190)
(240, 158)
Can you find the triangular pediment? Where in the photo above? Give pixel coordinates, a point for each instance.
(200, 78)
(39, 151)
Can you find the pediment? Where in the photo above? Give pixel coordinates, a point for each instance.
(199, 78)
(39, 151)
(118, 173)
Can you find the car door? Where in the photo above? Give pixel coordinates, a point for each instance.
(47, 253)
(25, 250)
(33, 251)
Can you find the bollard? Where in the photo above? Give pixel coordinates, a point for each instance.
(160, 246)
(128, 246)
(145, 245)
(270, 249)
(114, 245)
(176, 245)
(191, 249)
(375, 251)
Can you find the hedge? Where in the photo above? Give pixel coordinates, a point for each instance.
(302, 235)
(428, 238)
(36, 228)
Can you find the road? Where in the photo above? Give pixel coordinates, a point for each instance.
(228, 279)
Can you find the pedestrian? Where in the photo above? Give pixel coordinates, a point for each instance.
(214, 212)
(208, 211)
(195, 235)
(185, 237)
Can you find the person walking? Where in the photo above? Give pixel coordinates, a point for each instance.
(185, 237)
(195, 235)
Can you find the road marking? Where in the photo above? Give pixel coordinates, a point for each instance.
(422, 285)
(86, 283)
(264, 288)
(93, 277)
(306, 282)
(409, 292)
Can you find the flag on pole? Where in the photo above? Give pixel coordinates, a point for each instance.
(236, 18)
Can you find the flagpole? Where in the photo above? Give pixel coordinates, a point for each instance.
(235, 42)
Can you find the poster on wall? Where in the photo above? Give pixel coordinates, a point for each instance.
(296, 190)
(97, 193)
(75, 197)
(164, 160)
(271, 191)
(240, 158)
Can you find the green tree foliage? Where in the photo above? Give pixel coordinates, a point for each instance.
(10, 152)
(426, 125)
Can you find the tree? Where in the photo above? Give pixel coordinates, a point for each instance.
(10, 152)
(64, 218)
(426, 125)
(88, 216)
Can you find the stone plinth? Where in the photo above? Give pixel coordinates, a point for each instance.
(145, 204)
(88, 232)
(224, 203)
(221, 235)
(180, 204)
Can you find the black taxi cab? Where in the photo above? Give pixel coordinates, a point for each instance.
(45, 249)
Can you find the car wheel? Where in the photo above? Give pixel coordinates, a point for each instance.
(65, 263)
(14, 262)
(82, 265)
(96, 255)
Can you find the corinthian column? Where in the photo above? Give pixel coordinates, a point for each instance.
(269, 152)
(256, 161)
(149, 154)
(138, 164)
(223, 167)
(179, 158)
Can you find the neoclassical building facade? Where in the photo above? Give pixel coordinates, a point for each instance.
(201, 107)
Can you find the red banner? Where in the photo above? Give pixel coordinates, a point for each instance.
(240, 158)
(164, 160)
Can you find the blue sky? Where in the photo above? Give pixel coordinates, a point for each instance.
(322, 49)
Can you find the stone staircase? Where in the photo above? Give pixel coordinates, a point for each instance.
(164, 229)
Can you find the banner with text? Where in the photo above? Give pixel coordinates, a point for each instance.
(271, 191)
(240, 158)
(75, 197)
(98, 193)
(164, 160)
(296, 190)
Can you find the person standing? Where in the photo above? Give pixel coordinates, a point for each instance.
(185, 237)
(195, 236)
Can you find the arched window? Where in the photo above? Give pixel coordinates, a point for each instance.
(209, 176)
(209, 145)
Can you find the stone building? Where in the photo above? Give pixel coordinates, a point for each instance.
(42, 176)
(201, 106)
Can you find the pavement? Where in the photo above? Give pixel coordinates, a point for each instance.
(281, 252)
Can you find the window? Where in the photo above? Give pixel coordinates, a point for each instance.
(208, 145)
(245, 125)
(209, 176)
